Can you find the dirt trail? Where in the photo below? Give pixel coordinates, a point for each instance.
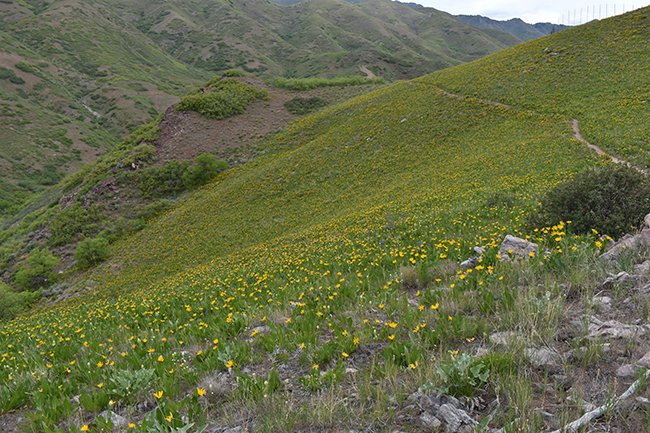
(574, 124)
(367, 71)
(576, 129)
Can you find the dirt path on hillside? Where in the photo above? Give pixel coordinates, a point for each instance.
(576, 129)
(364, 69)
(574, 124)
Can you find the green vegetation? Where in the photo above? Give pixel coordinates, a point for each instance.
(177, 176)
(314, 83)
(562, 74)
(330, 264)
(93, 72)
(301, 106)
(223, 98)
(610, 200)
(38, 271)
(12, 303)
(91, 251)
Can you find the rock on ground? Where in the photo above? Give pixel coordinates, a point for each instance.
(513, 246)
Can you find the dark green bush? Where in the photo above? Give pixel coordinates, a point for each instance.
(13, 303)
(177, 176)
(300, 105)
(91, 251)
(38, 272)
(206, 166)
(73, 222)
(8, 74)
(162, 181)
(224, 98)
(612, 200)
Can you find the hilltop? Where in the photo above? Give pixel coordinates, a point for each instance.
(76, 76)
(353, 274)
(515, 26)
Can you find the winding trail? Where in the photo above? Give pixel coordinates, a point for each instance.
(576, 129)
(369, 74)
(575, 124)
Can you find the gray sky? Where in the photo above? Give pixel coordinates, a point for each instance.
(531, 11)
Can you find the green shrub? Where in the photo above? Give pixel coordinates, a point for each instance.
(91, 251)
(162, 181)
(612, 200)
(73, 222)
(8, 74)
(300, 105)
(38, 272)
(224, 98)
(13, 303)
(462, 376)
(177, 176)
(206, 166)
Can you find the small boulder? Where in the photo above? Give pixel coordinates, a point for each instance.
(628, 242)
(513, 246)
(544, 358)
(430, 421)
(627, 371)
(615, 329)
(642, 269)
(455, 419)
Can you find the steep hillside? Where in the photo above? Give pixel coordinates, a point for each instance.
(76, 75)
(326, 285)
(516, 27)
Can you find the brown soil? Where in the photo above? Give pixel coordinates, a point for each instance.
(184, 135)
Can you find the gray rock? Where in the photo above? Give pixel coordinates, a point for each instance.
(513, 246)
(238, 429)
(640, 241)
(603, 303)
(118, 421)
(469, 263)
(454, 418)
(503, 338)
(544, 358)
(430, 421)
(627, 371)
(646, 220)
(644, 361)
(642, 269)
(615, 329)
(479, 251)
(261, 330)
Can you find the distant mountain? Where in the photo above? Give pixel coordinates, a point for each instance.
(75, 75)
(516, 27)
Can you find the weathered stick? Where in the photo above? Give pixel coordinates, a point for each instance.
(574, 426)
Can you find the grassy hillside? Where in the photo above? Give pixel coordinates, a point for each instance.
(300, 291)
(112, 65)
(564, 74)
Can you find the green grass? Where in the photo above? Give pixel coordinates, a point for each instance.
(313, 240)
(314, 83)
(98, 72)
(565, 73)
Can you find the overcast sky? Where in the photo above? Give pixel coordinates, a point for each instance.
(531, 11)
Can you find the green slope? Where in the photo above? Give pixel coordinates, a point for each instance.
(314, 240)
(598, 74)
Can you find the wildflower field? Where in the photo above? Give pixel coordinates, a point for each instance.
(329, 267)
